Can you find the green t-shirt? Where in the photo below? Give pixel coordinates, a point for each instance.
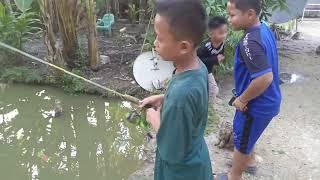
(182, 153)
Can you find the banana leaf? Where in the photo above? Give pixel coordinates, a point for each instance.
(23, 5)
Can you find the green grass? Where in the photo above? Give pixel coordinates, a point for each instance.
(20, 75)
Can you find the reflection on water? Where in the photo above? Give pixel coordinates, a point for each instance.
(91, 140)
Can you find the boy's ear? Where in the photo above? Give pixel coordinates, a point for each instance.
(252, 13)
(185, 47)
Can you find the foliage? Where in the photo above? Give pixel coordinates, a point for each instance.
(150, 7)
(133, 12)
(20, 74)
(100, 4)
(23, 5)
(16, 28)
(150, 38)
(81, 55)
(231, 42)
(72, 84)
(269, 6)
(216, 7)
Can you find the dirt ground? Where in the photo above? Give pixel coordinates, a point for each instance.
(289, 148)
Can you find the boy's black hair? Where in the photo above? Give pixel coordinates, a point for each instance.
(186, 18)
(245, 5)
(217, 22)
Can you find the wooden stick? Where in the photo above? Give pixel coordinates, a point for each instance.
(113, 92)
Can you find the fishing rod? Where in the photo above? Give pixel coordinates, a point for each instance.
(115, 93)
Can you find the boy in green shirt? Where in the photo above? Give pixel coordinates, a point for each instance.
(180, 116)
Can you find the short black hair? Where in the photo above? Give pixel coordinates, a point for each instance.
(245, 5)
(216, 22)
(186, 18)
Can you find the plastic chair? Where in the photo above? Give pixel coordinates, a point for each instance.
(106, 23)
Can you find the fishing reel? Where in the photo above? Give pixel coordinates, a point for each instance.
(138, 117)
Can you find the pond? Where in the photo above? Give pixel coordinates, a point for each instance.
(90, 140)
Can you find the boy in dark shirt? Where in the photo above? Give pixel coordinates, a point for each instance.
(180, 115)
(256, 76)
(211, 52)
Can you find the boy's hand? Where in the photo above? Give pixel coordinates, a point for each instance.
(240, 105)
(154, 101)
(153, 118)
(220, 58)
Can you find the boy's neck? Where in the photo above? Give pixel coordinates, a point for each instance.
(187, 63)
(216, 43)
(254, 24)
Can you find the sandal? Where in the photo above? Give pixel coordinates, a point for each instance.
(252, 169)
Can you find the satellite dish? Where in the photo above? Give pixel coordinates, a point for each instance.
(151, 71)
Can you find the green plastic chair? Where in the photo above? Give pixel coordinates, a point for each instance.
(105, 23)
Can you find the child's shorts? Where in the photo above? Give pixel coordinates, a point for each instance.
(247, 129)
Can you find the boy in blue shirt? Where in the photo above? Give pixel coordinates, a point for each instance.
(256, 80)
(180, 116)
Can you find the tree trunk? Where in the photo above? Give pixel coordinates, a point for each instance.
(50, 39)
(108, 7)
(54, 53)
(92, 33)
(67, 17)
(115, 7)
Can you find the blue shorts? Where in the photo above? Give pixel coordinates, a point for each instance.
(247, 129)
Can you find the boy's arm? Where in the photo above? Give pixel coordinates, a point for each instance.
(155, 101)
(211, 60)
(261, 74)
(153, 114)
(153, 118)
(256, 88)
(203, 51)
(205, 55)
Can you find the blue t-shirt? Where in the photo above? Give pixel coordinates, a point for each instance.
(256, 55)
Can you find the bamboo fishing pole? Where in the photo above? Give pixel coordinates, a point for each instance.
(115, 93)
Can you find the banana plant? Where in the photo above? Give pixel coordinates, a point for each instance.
(23, 5)
(17, 28)
(92, 33)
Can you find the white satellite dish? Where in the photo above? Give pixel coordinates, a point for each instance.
(151, 71)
